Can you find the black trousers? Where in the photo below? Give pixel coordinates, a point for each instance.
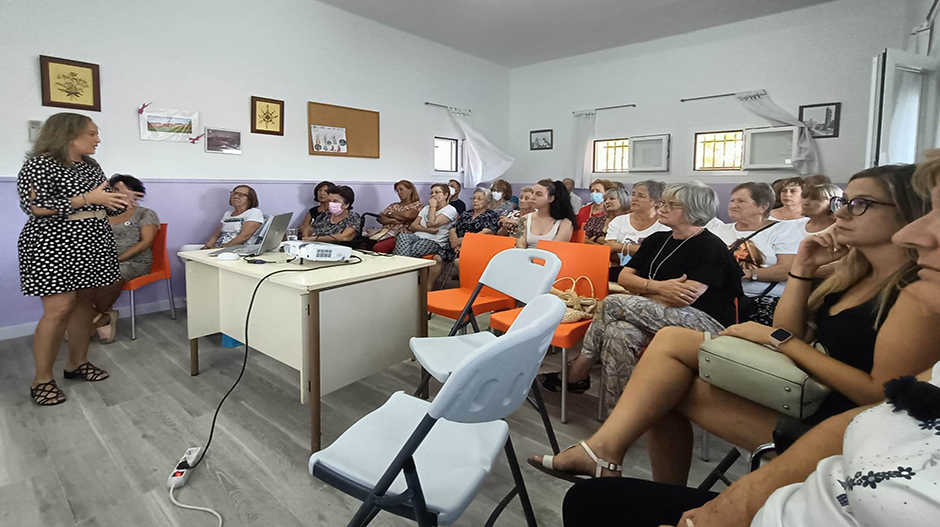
(628, 502)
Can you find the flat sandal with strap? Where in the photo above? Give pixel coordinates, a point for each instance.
(88, 372)
(548, 466)
(47, 394)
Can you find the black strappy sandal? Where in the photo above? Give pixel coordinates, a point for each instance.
(552, 383)
(88, 372)
(47, 394)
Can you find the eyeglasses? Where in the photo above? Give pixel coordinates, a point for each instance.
(669, 205)
(856, 206)
(240, 194)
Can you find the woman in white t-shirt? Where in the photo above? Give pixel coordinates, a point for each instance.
(791, 200)
(626, 233)
(239, 224)
(430, 229)
(764, 248)
(817, 212)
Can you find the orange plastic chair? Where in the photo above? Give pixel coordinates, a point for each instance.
(577, 236)
(576, 260)
(159, 270)
(475, 254)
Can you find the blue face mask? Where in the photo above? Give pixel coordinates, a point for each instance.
(597, 197)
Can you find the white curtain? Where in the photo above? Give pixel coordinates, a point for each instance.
(582, 151)
(806, 158)
(905, 119)
(482, 161)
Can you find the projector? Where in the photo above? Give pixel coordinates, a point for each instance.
(316, 251)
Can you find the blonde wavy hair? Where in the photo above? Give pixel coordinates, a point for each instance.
(927, 175)
(853, 267)
(57, 134)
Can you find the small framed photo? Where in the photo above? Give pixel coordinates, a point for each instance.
(164, 124)
(70, 84)
(267, 116)
(822, 120)
(221, 141)
(541, 139)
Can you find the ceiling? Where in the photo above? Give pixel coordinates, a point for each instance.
(521, 32)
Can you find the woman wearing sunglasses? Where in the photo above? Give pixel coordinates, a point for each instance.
(873, 329)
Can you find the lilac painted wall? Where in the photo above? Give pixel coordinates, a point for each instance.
(191, 208)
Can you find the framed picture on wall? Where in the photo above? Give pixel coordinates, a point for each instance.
(822, 120)
(164, 124)
(541, 139)
(267, 116)
(70, 84)
(221, 141)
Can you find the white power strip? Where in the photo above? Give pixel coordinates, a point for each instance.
(181, 473)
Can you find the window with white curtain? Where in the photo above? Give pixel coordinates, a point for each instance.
(612, 155)
(446, 154)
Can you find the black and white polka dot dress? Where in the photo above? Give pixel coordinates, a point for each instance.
(57, 255)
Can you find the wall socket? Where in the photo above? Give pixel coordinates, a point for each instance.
(34, 128)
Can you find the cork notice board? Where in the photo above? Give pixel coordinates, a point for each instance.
(362, 129)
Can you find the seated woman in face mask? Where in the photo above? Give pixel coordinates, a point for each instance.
(339, 223)
(502, 192)
(595, 206)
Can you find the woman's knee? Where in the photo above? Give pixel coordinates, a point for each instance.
(679, 343)
(60, 306)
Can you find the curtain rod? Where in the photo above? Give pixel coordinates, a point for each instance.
(933, 8)
(707, 97)
(426, 103)
(631, 105)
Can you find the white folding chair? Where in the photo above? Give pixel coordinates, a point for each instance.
(513, 272)
(427, 460)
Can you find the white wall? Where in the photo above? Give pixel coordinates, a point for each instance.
(211, 56)
(813, 55)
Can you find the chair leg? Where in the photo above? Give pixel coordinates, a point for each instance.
(423, 390)
(367, 511)
(758, 455)
(564, 385)
(133, 316)
(706, 451)
(718, 473)
(519, 490)
(546, 420)
(169, 292)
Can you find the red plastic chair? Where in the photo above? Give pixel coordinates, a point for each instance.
(159, 270)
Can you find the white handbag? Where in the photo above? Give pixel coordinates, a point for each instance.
(760, 374)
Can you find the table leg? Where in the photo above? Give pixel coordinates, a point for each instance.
(194, 356)
(313, 376)
(423, 321)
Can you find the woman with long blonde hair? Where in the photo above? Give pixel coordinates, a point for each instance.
(66, 249)
(871, 326)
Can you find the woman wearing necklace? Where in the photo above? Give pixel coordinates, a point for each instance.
(686, 278)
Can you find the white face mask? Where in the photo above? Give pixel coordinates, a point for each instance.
(497, 195)
(452, 191)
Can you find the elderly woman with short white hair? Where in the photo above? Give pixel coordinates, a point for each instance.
(685, 277)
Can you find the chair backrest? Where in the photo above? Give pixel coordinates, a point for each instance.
(492, 382)
(578, 259)
(522, 274)
(475, 254)
(161, 259)
(577, 236)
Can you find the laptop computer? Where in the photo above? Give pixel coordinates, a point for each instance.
(271, 240)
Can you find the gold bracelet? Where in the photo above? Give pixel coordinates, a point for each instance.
(646, 286)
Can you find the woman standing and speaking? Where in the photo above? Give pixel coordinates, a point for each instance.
(66, 248)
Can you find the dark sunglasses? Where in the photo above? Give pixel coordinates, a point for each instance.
(856, 206)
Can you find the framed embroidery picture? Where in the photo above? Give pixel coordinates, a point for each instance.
(267, 116)
(70, 84)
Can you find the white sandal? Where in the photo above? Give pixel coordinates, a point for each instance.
(548, 465)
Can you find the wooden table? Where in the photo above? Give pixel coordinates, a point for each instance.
(334, 324)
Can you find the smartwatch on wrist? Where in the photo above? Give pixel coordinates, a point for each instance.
(778, 337)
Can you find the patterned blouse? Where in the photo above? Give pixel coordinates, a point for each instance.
(488, 219)
(399, 226)
(504, 208)
(322, 226)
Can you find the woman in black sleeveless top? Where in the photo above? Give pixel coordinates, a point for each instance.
(850, 315)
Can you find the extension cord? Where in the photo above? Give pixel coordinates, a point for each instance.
(181, 473)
